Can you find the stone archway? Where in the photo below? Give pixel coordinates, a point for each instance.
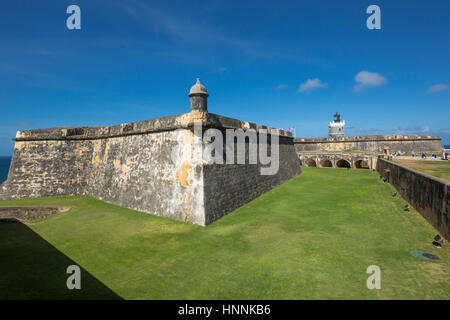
(310, 162)
(343, 164)
(326, 163)
(361, 164)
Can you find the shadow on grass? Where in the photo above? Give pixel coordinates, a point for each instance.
(31, 268)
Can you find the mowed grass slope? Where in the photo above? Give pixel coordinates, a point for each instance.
(311, 238)
(437, 168)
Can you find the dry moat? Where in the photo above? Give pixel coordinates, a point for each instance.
(279, 246)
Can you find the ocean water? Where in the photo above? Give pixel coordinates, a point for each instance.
(447, 146)
(4, 168)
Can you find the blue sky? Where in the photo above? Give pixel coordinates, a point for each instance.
(282, 64)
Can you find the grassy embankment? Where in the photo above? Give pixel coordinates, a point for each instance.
(310, 238)
(437, 168)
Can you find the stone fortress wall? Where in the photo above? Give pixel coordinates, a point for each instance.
(376, 144)
(427, 194)
(365, 149)
(133, 165)
(358, 151)
(128, 165)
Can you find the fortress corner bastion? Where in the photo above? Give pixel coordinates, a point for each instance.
(134, 165)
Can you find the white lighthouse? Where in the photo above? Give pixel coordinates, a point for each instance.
(336, 127)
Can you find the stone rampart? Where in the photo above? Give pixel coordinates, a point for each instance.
(427, 194)
(133, 165)
(377, 144)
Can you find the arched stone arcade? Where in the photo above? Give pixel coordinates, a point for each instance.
(310, 162)
(337, 160)
(326, 163)
(342, 163)
(361, 164)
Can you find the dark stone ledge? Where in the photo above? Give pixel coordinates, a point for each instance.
(27, 214)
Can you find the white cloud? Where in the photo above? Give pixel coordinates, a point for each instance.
(21, 123)
(368, 130)
(312, 84)
(365, 79)
(425, 129)
(439, 87)
(181, 27)
(402, 130)
(221, 70)
(281, 86)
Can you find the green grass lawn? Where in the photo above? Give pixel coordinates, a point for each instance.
(437, 168)
(311, 238)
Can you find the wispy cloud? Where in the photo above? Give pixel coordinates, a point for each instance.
(176, 26)
(439, 87)
(312, 84)
(17, 124)
(368, 130)
(21, 124)
(365, 79)
(417, 129)
(395, 130)
(183, 28)
(281, 86)
(221, 70)
(40, 79)
(49, 52)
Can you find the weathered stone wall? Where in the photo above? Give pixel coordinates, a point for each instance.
(428, 195)
(46, 168)
(231, 186)
(372, 143)
(133, 165)
(135, 171)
